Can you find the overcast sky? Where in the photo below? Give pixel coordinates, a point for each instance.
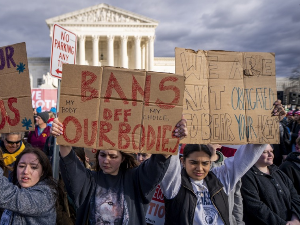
(235, 25)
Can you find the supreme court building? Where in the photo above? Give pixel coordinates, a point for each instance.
(108, 36)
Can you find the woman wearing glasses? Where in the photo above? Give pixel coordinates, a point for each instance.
(11, 146)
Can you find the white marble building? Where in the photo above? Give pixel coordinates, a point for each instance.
(110, 36)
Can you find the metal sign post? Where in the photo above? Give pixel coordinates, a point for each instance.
(55, 157)
(63, 51)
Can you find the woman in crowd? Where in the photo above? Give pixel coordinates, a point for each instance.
(118, 192)
(196, 195)
(291, 167)
(31, 198)
(269, 195)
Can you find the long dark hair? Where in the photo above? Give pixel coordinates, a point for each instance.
(44, 162)
(190, 148)
(128, 162)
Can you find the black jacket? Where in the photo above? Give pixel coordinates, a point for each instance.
(181, 209)
(295, 128)
(139, 186)
(291, 167)
(268, 199)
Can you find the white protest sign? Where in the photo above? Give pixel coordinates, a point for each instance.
(63, 50)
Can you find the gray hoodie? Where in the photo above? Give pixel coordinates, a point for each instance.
(34, 205)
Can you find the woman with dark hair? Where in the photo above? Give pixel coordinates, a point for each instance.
(118, 192)
(31, 198)
(197, 195)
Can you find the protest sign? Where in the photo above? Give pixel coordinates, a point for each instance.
(122, 109)
(15, 97)
(46, 98)
(156, 209)
(228, 96)
(63, 50)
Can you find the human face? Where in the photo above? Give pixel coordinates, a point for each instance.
(141, 157)
(29, 170)
(38, 121)
(110, 161)
(12, 142)
(266, 158)
(197, 165)
(296, 117)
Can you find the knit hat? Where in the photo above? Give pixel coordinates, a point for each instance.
(44, 116)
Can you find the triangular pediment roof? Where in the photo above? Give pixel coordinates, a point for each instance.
(101, 14)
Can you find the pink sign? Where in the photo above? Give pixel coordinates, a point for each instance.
(46, 98)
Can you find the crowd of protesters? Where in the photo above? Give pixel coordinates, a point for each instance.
(203, 184)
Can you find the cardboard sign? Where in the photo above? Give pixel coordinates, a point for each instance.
(46, 98)
(228, 96)
(156, 210)
(15, 97)
(121, 109)
(63, 50)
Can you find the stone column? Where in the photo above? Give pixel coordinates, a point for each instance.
(143, 56)
(95, 50)
(151, 53)
(81, 49)
(110, 50)
(147, 55)
(137, 47)
(124, 61)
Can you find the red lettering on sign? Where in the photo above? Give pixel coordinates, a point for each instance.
(78, 129)
(85, 86)
(176, 90)
(151, 205)
(105, 127)
(150, 137)
(3, 114)
(107, 114)
(124, 129)
(5, 117)
(16, 120)
(165, 140)
(86, 132)
(117, 113)
(114, 84)
(135, 147)
(127, 112)
(158, 138)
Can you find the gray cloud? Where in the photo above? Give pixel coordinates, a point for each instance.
(253, 25)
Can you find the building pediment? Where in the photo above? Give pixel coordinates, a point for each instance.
(101, 14)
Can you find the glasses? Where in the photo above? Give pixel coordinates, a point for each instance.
(12, 142)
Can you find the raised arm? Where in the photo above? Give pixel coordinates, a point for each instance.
(235, 167)
(35, 201)
(77, 178)
(163, 169)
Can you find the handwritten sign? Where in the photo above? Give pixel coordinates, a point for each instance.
(156, 210)
(15, 96)
(228, 96)
(122, 109)
(46, 98)
(63, 50)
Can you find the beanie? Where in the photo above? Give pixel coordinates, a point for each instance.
(44, 116)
